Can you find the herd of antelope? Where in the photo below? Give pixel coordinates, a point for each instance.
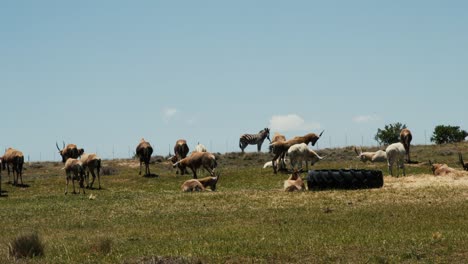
(79, 165)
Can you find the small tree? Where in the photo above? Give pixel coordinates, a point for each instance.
(448, 134)
(390, 134)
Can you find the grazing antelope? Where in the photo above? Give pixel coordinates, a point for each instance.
(277, 137)
(439, 169)
(396, 154)
(280, 149)
(197, 160)
(74, 171)
(201, 184)
(254, 139)
(294, 183)
(405, 139)
(15, 159)
(143, 152)
(378, 156)
(181, 150)
(91, 164)
(69, 151)
(464, 165)
(300, 152)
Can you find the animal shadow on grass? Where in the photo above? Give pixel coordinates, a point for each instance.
(412, 162)
(21, 185)
(151, 175)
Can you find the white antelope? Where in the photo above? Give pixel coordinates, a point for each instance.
(377, 156)
(300, 152)
(396, 154)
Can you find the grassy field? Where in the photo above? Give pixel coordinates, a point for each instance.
(419, 218)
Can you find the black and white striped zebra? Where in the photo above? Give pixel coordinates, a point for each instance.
(254, 139)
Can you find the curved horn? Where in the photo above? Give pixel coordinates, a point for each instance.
(63, 144)
(430, 162)
(355, 150)
(56, 144)
(321, 133)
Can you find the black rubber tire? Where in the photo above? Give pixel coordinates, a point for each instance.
(344, 179)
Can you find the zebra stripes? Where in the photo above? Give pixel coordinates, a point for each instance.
(254, 139)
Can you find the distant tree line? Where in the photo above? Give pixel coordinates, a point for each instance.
(442, 134)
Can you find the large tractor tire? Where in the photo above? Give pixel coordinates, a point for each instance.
(344, 179)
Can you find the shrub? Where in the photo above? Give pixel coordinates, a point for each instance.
(26, 246)
(390, 134)
(448, 134)
(102, 246)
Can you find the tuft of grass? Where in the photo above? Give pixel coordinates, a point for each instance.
(26, 246)
(102, 246)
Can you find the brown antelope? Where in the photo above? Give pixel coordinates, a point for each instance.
(143, 152)
(405, 139)
(294, 183)
(15, 159)
(439, 169)
(181, 150)
(277, 137)
(196, 161)
(200, 184)
(279, 149)
(74, 171)
(464, 165)
(91, 164)
(69, 151)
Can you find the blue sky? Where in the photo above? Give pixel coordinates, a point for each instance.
(103, 74)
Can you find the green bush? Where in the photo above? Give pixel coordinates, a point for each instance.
(448, 134)
(390, 134)
(26, 246)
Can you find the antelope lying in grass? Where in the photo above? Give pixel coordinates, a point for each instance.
(200, 184)
(74, 171)
(377, 156)
(439, 169)
(196, 161)
(294, 183)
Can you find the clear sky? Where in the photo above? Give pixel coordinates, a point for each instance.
(103, 74)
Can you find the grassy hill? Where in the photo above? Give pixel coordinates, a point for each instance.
(134, 219)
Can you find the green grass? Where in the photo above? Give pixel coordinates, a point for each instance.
(249, 219)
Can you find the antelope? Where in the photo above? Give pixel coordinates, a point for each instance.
(201, 184)
(69, 151)
(277, 137)
(405, 139)
(464, 165)
(195, 161)
(279, 149)
(378, 156)
(15, 158)
(181, 150)
(300, 152)
(143, 152)
(200, 148)
(91, 164)
(396, 154)
(74, 171)
(439, 169)
(294, 183)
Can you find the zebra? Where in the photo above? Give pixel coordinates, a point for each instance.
(252, 139)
